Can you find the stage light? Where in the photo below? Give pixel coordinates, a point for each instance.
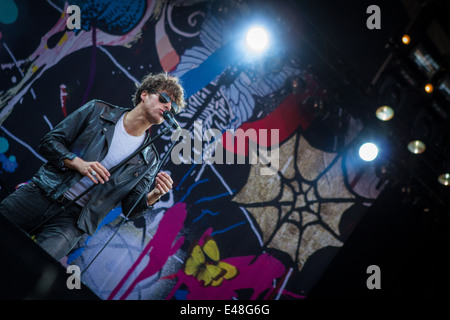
(444, 179)
(429, 88)
(384, 113)
(444, 87)
(406, 39)
(368, 151)
(425, 62)
(416, 146)
(257, 39)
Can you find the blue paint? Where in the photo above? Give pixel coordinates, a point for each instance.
(8, 164)
(111, 216)
(116, 17)
(204, 74)
(191, 187)
(206, 212)
(8, 12)
(229, 228)
(215, 197)
(185, 176)
(4, 145)
(181, 294)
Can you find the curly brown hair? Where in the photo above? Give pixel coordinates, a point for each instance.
(161, 82)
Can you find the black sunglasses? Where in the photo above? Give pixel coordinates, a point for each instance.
(164, 98)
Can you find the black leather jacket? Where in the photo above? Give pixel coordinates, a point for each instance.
(87, 133)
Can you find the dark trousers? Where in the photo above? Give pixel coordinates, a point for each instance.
(28, 207)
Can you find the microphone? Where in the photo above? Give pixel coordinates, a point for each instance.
(168, 116)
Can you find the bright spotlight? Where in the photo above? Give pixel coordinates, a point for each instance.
(368, 151)
(416, 146)
(384, 113)
(406, 39)
(444, 179)
(257, 39)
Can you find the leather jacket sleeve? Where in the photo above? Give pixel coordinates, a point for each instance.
(54, 145)
(143, 186)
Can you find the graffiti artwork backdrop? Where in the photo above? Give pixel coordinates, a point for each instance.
(225, 231)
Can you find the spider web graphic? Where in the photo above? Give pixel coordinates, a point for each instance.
(299, 209)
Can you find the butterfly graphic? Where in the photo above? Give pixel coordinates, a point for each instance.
(204, 264)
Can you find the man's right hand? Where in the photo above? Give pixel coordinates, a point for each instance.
(93, 170)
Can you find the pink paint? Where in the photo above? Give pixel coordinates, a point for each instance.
(168, 57)
(257, 275)
(159, 249)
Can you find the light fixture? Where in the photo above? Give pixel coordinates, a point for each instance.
(384, 113)
(444, 179)
(257, 39)
(429, 88)
(368, 151)
(444, 87)
(425, 62)
(416, 146)
(406, 39)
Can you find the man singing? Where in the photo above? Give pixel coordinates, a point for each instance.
(80, 151)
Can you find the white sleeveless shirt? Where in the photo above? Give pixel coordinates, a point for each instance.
(123, 144)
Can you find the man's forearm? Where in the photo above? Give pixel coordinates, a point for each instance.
(94, 170)
(152, 197)
(72, 163)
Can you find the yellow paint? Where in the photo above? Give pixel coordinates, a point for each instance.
(63, 39)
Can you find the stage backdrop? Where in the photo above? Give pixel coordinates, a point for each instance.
(226, 230)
